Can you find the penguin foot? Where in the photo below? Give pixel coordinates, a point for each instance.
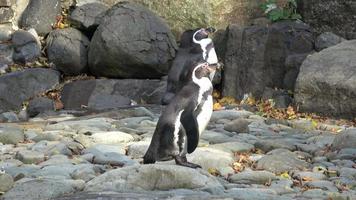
(182, 161)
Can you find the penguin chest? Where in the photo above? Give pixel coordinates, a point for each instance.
(204, 114)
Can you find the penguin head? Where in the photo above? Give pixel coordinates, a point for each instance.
(203, 70)
(202, 33)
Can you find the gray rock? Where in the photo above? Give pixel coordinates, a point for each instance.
(208, 158)
(346, 154)
(253, 177)
(109, 158)
(42, 188)
(104, 148)
(85, 125)
(19, 172)
(17, 87)
(85, 17)
(106, 94)
(85, 173)
(345, 139)
(315, 176)
(67, 49)
(324, 185)
(326, 83)
(56, 160)
(138, 149)
(154, 177)
(349, 173)
(142, 46)
(11, 134)
(9, 163)
(215, 137)
(326, 40)
(293, 63)
(269, 145)
(112, 137)
(6, 182)
(229, 114)
(233, 147)
(254, 57)
(62, 171)
(26, 46)
(238, 126)
(281, 162)
(321, 16)
(254, 193)
(302, 124)
(30, 157)
(9, 117)
(40, 15)
(39, 105)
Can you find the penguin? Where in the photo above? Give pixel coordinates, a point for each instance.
(184, 119)
(195, 46)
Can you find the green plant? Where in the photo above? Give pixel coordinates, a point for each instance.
(277, 13)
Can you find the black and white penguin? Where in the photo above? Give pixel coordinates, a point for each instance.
(184, 119)
(195, 46)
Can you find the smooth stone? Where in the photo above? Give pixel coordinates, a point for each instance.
(6, 182)
(85, 173)
(112, 137)
(283, 186)
(322, 184)
(208, 158)
(314, 194)
(92, 125)
(10, 163)
(43, 146)
(18, 172)
(47, 136)
(30, 157)
(253, 177)
(281, 162)
(42, 188)
(349, 173)
(268, 145)
(344, 163)
(110, 158)
(346, 154)
(11, 134)
(132, 122)
(254, 193)
(154, 177)
(9, 117)
(106, 148)
(345, 139)
(309, 175)
(237, 126)
(230, 114)
(56, 160)
(302, 124)
(138, 149)
(215, 137)
(233, 147)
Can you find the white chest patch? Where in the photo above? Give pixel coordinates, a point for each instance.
(211, 56)
(204, 116)
(177, 124)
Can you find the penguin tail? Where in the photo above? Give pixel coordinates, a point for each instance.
(149, 157)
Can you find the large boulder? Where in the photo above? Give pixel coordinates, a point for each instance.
(85, 17)
(131, 42)
(154, 177)
(19, 86)
(26, 45)
(255, 56)
(67, 49)
(336, 16)
(40, 15)
(327, 81)
(105, 93)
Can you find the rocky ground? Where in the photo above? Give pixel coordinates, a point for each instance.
(243, 155)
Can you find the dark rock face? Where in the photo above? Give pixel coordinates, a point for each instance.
(337, 16)
(326, 40)
(40, 15)
(255, 56)
(39, 105)
(103, 94)
(327, 81)
(85, 17)
(67, 49)
(19, 86)
(121, 49)
(26, 47)
(292, 64)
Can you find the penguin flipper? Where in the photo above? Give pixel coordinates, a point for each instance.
(190, 125)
